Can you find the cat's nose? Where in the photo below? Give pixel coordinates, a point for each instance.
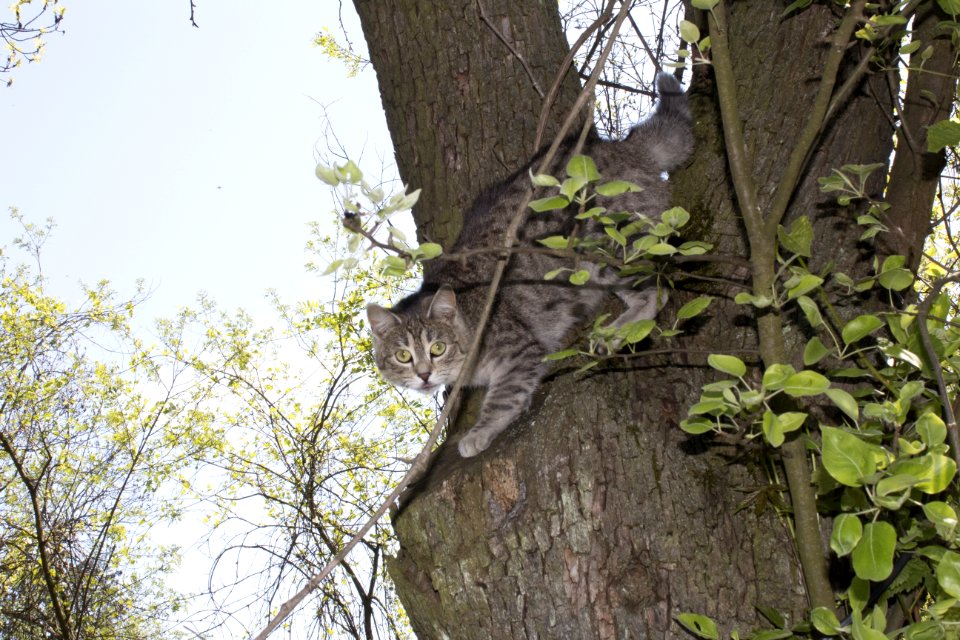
(424, 376)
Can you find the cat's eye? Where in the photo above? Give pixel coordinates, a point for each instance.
(437, 348)
(403, 356)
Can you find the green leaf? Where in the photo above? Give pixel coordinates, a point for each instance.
(430, 250)
(926, 630)
(814, 351)
(799, 238)
(931, 429)
(860, 327)
(544, 180)
(847, 531)
(810, 310)
(582, 167)
(805, 383)
(579, 277)
(549, 204)
(943, 517)
(948, 573)
(328, 175)
(689, 31)
(934, 471)
(634, 332)
(950, 6)
(617, 187)
(550, 275)
(560, 355)
(776, 375)
(825, 621)
(845, 402)
(694, 308)
(694, 248)
(775, 427)
(731, 365)
(896, 279)
(873, 556)
(698, 625)
(862, 632)
(696, 425)
(571, 187)
(795, 6)
(847, 458)
(675, 217)
(662, 249)
(760, 302)
(555, 242)
(945, 133)
(806, 283)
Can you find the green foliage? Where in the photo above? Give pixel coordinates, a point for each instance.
(82, 449)
(316, 438)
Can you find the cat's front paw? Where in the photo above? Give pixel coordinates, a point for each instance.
(473, 442)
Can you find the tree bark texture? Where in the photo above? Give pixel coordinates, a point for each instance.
(595, 516)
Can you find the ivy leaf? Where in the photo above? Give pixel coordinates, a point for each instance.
(873, 556)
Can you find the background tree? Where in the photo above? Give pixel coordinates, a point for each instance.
(81, 453)
(23, 36)
(596, 516)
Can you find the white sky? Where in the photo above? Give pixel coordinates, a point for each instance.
(184, 156)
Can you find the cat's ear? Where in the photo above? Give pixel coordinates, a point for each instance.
(381, 320)
(444, 305)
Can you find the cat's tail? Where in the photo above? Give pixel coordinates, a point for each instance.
(666, 136)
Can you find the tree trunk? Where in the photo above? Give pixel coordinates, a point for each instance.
(595, 516)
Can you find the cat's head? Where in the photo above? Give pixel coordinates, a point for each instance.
(422, 345)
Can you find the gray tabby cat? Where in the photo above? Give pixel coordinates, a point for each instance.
(421, 343)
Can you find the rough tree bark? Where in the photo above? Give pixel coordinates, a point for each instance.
(595, 516)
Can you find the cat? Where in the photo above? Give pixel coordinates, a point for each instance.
(421, 343)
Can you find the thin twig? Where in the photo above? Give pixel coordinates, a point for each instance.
(506, 43)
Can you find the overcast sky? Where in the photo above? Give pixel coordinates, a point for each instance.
(184, 156)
